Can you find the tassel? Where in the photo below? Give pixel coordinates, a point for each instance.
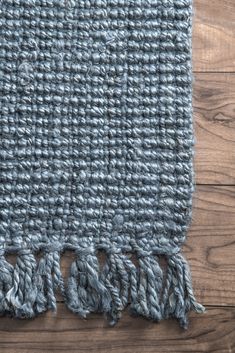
(49, 279)
(86, 292)
(119, 276)
(178, 297)
(23, 293)
(6, 275)
(27, 289)
(149, 287)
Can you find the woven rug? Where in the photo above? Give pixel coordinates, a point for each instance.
(96, 141)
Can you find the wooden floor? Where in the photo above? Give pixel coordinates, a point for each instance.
(210, 247)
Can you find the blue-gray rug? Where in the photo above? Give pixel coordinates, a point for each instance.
(96, 152)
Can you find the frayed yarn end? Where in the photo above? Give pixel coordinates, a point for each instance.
(149, 289)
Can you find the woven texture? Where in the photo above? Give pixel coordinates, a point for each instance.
(96, 156)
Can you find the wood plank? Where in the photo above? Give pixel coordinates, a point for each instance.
(214, 116)
(213, 331)
(210, 247)
(214, 36)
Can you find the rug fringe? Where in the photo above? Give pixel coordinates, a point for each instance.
(178, 298)
(6, 280)
(148, 289)
(155, 292)
(49, 280)
(120, 278)
(86, 292)
(22, 296)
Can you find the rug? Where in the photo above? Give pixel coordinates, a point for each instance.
(96, 157)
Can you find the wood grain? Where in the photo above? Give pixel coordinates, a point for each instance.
(210, 247)
(214, 116)
(214, 36)
(213, 331)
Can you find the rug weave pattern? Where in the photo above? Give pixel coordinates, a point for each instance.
(96, 146)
